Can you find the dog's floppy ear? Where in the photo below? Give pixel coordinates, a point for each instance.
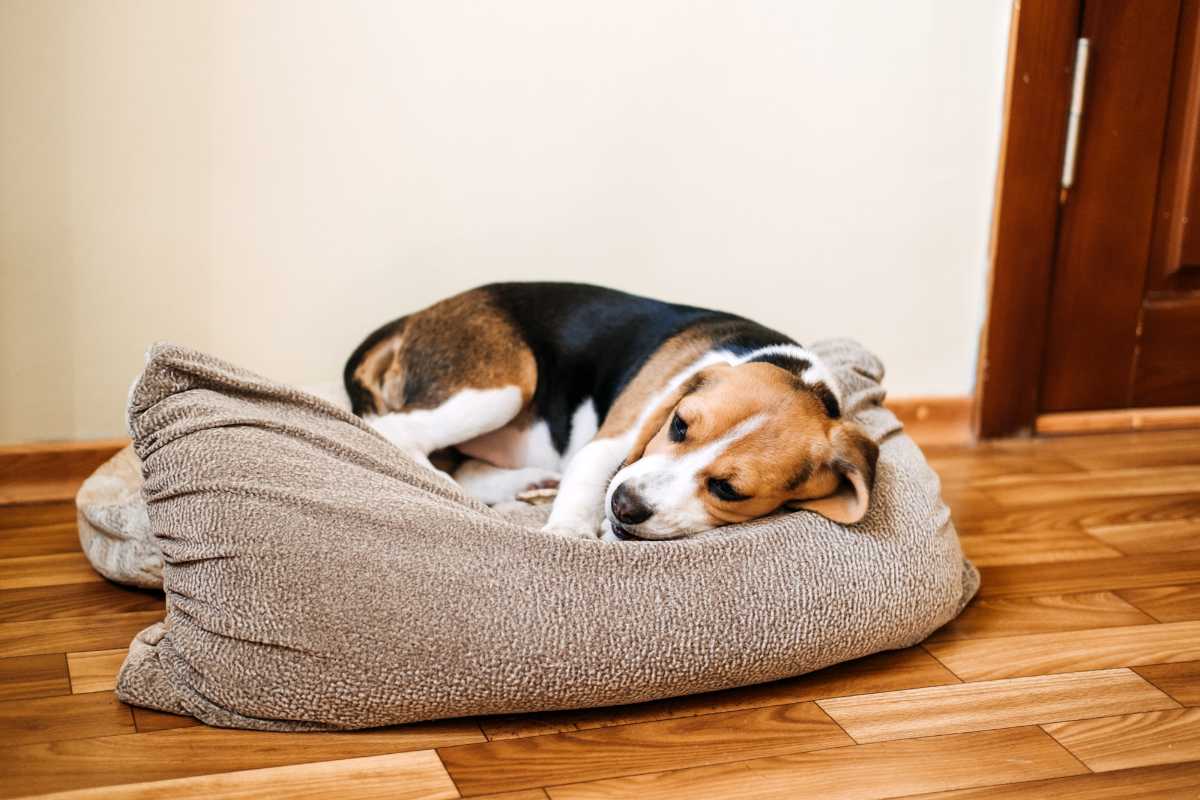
(854, 457)
(661, 413)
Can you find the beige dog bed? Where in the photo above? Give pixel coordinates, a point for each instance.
(317, 579)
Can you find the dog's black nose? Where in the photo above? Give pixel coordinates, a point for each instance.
(628, 508)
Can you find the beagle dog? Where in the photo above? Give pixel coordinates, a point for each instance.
(655, 420)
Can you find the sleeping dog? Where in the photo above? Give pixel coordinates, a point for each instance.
(663, 420)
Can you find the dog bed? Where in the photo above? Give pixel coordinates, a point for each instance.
(317, 579)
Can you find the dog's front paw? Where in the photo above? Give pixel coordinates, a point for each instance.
(570, 531)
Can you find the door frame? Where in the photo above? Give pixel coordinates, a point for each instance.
(1041, 60)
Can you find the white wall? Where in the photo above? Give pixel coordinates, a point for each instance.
(270, 180)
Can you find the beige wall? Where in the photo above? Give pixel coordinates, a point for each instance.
(270, 180)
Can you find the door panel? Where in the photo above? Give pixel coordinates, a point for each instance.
(1106, 226)
(1175, 248)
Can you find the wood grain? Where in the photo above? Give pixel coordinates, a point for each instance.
(989, 617)
(1111, 511)
(1180, 680)
(39, 540)
(535, 761)
(42, 461)
(147, 720)
(1032, 547)
(1132, 740)
(1146, 783)
(96, 670)
(34, 676)
(186, 752)
(1118, 419)
(77, 600)
(51, 570)
(1151, 537)
(1106, 227)
(988, 705)
(1130, 572)
(898, 669)
(33, 514)
(1021, 491)
(48, 719)
(74, 634)
(401, 776)
(1167, 603)
(1024, 226)
(1046, 653)
(887, 769)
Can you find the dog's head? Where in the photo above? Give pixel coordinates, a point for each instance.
(733, 443)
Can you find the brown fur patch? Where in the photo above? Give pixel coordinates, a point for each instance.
(462, 342)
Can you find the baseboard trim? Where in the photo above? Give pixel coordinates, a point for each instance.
(44, 472)
(936, 419)
(930, 420)
(1119, 420)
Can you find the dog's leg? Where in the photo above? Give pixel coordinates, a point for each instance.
(463, 416)
(579, 507)
(491, 484)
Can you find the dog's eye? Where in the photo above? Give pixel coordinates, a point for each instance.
(678, 430)
(723, 490)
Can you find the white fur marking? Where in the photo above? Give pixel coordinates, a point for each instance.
(466, 415)
(668, 486)
(584, 425)
(490, 484)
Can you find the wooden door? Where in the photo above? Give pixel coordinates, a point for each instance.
(1096, 299)
(1124, 324)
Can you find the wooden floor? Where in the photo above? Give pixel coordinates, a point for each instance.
(1074, 674)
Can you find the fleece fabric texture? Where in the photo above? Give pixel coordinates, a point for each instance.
(317, 579)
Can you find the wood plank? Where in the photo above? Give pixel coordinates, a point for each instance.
(1167, 603)
(989, 617)
(34, 676)
(520, 794)
(1180, 680)
(1151, 537)
(26, 492)
(147, 720)
(49, 719)
(1132, 740)
(1045, 653)
(95, 670)
(1022, 492)
(897, 669)
(1145, 783)
(988, 705)
(534, 761)
(39, 540)
(886, 769)
(417, 775)
(162, 755)
(1069, 577)
(51, 570)
(963, 467)
(1032, 547)
(77, 634)
(1080, 516)
(76, 600)
(32, 514)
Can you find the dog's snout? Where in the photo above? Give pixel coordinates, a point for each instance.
(628, 507)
